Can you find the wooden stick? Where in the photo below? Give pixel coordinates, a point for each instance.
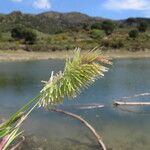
(101, 143)
(116, 103)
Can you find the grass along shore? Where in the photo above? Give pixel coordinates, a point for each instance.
(21, 55)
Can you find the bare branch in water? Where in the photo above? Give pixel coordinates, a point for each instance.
(83, 121)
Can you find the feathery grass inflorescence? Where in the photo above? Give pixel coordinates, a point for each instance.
(80, 71)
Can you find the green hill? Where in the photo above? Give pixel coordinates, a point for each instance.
(48, 22)
(59, 31)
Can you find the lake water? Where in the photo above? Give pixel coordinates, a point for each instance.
(121, 130)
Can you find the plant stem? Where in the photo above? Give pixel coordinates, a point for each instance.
(22, 109)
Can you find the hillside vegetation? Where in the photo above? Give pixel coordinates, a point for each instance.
(51, 31)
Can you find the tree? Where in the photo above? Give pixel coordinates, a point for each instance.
(79, 72)
(29, 36)
(23, 33)
(133, 33)
(142, 27)
(108, 26)
(96, 25)
(17, 32)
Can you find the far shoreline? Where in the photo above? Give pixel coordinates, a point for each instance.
(20, 55)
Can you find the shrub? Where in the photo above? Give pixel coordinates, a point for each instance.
(0, 35)
(97, 34)
(10, 46)
(136, 47)
(142, 27)
(118, 43)
(133, 33)
(105, 43)
(44, 47)
(86, 26)
(113, 43)
(108, 26)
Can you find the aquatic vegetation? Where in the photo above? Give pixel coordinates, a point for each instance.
(79, 72)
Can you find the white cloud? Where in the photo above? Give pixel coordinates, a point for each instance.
(127, 5)
(42, 4)
(16, 0)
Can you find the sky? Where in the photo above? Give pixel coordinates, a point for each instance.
(113, 9)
